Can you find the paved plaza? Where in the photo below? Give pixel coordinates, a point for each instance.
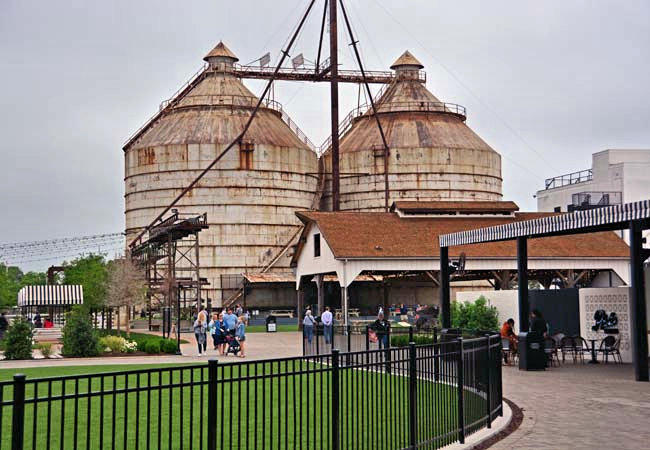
(258, 346)
(579, 406)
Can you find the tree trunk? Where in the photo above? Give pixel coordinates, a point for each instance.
(118, 320)
(128, 321)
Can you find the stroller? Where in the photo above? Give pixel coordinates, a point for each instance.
(232, 342)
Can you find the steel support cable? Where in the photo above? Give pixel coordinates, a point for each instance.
(473, 94)
(55, 250)
(59, 240)
(285, 53)
(372, 103)
(320, 39)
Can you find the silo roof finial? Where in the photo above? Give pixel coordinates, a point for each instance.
(407, 59)
(221, 51)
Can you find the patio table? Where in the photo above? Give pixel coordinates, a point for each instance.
(594, 360)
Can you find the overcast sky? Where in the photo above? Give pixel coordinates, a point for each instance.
(546, 84)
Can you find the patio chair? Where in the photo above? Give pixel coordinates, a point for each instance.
(610, 346)
(582, 347)
(507, 352)
(558, 339)
(550, 349)
(567, 346)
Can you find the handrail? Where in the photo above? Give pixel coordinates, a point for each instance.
(165, 104)
(568, 179)
(411, 106)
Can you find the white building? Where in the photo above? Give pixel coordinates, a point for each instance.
(616, 176)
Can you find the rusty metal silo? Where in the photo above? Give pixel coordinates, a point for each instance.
(251, 195)
(434, 155)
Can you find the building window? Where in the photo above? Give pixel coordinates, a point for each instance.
(316, 245)
(246, 150)
(558, 209)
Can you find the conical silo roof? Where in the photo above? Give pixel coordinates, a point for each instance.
(220, 50)
(412, 116)
(407, 59)
(214, 109)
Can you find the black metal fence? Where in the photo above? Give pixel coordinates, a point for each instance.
(424, 396)
(352, 338)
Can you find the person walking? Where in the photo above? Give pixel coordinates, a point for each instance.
(381, 329)
(200, 328)
(229, 320)
(214, 328)
(4, 324)
(326, 319)
(308, 326)
(239, 310)
(240, 335)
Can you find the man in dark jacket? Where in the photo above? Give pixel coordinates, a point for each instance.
(381, 329)
(537, 323)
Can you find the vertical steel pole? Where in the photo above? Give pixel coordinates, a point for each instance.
(488, 388)
(18, 415)
(198, 269)
(522, 281)
(445, 303)
(212, 397)
(334, 99)
(412, 395)
(638, 303)
(335, 398)
(460, 377)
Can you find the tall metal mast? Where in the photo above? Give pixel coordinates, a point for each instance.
(334, 95)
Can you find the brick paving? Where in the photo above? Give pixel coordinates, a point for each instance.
(578, 407)
(258, 346)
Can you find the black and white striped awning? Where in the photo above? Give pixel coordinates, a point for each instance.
(590, 220)
(52, 295)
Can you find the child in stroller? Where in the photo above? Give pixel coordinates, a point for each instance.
(232, 344)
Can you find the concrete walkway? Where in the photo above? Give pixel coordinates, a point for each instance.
(578, 407)
(258, 346)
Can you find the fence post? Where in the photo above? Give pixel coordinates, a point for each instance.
(411, 333)
(18, 416)
(436, 354)
(488, 388)
(412, 395)
(497, 363)
(460, 377)
(335, 399)
(212, 395)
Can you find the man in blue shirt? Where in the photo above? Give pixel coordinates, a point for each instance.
(229, 320)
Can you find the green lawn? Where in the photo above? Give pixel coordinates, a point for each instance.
(262, 328)
(278, 411)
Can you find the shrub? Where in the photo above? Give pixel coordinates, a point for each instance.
(79, 337)
(474, 316)
(18, 340)
(402, 340)
(168, 346)
(152, 347)
(130, 346)
(115, 344)
(46, 349)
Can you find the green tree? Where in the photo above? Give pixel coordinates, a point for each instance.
(89, 271)
(9, 285)
(474, 316)
(18, 340)
(12, 279)
(79, 336)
